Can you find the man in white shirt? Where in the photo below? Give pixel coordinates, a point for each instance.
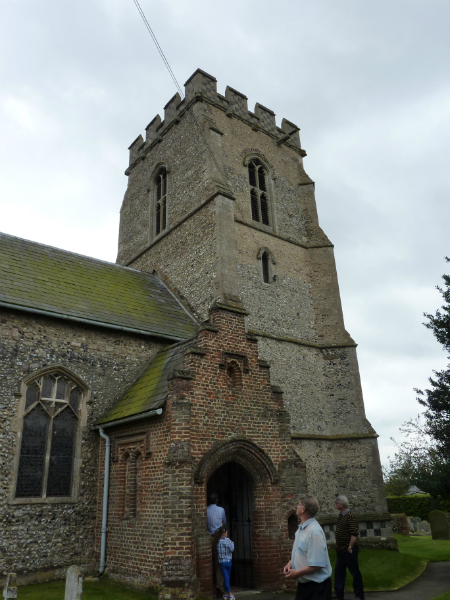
(215, 516)
(310, 563)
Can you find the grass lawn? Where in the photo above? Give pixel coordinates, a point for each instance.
(424, 547)
(381, 570)
(384, 569)
(92, 590)
(387, 570)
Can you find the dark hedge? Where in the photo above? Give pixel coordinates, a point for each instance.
(416, 506)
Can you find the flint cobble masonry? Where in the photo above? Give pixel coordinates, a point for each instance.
(214, 359)
(45, 537)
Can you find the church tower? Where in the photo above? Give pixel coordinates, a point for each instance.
(219, 204)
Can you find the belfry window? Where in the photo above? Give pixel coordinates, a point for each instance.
(259, 196)
(161, 201)
(50, 425)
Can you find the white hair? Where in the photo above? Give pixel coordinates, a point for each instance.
(342, 500)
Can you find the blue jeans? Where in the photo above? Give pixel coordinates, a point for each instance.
(225, 567)
(346, 560)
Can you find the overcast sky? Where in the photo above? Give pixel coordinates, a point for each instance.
(367, 82)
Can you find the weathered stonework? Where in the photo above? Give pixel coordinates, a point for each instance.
(56, 533)
(267, 384)
(297, 316)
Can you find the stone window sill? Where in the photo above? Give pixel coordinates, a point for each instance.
(55, 500)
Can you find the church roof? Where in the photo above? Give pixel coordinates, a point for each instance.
(42, 279)
(150, 390)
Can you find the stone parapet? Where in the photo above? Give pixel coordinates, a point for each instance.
(202, 87)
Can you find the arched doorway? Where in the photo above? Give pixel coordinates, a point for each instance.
(234, 486)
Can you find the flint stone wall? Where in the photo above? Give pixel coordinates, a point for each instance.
(55, 534)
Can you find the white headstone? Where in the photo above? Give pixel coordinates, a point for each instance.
(74, 584)
(10, 590)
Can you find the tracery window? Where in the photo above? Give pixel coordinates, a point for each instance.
(161, 201)
(259, 195)
(50, 424)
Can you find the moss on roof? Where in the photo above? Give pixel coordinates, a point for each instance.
(34, 276)
(150, 390)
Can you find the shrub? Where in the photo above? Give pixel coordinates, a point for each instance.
(416, 506)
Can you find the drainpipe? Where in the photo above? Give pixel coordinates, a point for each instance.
(105, 501)
(150, 413)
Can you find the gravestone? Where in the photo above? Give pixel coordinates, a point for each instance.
(415, 521)
(74, 584)
(400, 523)
(10, 589)
(439, 525)
(423, 528)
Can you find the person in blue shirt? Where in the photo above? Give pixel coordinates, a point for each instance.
(225, 548)
(310, 564)
(215, 518)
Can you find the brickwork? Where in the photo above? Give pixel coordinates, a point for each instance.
(57, 533)
(209, 420)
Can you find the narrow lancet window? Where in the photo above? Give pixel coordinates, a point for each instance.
(265, 267)
(259, 200)
(161, 201)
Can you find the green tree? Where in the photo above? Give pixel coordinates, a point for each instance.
(437, 399)
(423, 459)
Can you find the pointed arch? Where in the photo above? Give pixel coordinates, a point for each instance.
(260, 177)
(242, 451)
(52, 412)
(57, 369)
(267, 262)
(158, 201)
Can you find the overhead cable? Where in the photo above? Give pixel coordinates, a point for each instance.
(180, 91)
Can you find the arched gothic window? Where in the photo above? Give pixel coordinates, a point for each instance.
(259, 194)
(161, 201)
(50, 424)
(267, 265)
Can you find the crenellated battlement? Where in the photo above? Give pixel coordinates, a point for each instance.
(202, 87)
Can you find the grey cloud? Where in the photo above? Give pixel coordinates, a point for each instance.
(367, 82)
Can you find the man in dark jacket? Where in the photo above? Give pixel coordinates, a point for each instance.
(347, 551)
